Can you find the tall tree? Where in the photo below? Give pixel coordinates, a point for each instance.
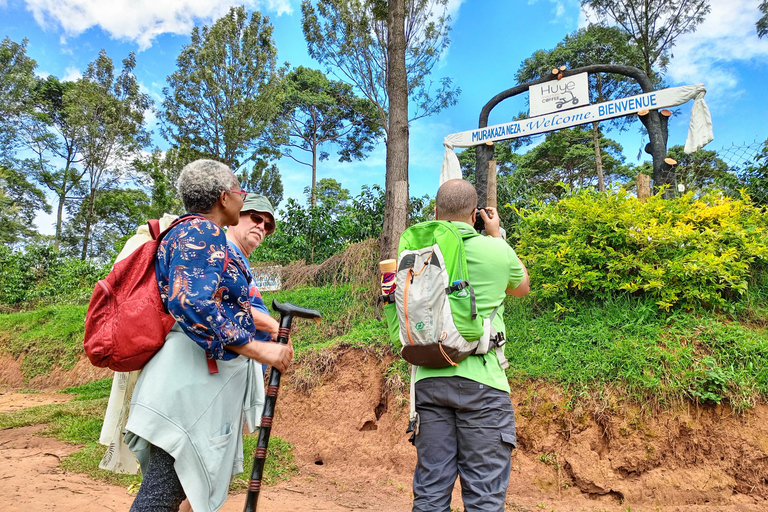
(110, 116)
(318, 112)
(55, 141)
(387, 50)
(653, 25)
(264, 179)
(595, 44)
(225, 90)
(17, 80)
(19, 196)
(331, 195)
(566, 156)
(158, 173)
(113, 215)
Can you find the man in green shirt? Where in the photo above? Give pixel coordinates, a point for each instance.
(467, 423)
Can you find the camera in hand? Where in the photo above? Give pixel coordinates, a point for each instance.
(479, 222)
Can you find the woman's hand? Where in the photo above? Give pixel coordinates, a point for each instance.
(264, 322)
(272, 354)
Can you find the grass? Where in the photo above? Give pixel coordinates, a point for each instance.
(48, 337)
(341, 307)
(650, 355)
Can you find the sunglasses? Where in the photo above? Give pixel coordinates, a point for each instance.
(258, 219)
(241, 192)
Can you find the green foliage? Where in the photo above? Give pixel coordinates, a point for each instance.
(116, 215)
(762, 23)
(652, 25)
(350, 39)
(40, 272)
(318, 113)
(568, 157)
(755, 177)
(225, 90)
(159, 174)
(314, 234)
(19, 197)
(684, 252)
(263, 179)
(109, 115)
(49, 337)
(710, 382)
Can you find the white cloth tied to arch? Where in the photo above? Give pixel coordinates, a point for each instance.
(699, 129)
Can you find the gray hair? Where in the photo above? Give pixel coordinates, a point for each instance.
(201, 183)
(456, 200)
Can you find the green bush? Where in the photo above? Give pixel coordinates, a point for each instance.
(40, 272)
(686, 252)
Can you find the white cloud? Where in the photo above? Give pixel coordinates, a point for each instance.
(561, 11)
(726, 40)
(140, 20)
(71, 74)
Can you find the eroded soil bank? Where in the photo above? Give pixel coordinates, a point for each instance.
(347, 423)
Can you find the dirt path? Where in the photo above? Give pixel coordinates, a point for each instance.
(31, 479)
(352, 454)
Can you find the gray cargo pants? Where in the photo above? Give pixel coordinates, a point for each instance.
(467, 429)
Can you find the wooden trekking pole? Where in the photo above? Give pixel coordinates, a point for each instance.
(287, 312)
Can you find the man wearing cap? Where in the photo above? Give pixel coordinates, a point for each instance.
(257, 220)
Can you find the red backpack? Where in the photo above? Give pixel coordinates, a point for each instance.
(126, 322)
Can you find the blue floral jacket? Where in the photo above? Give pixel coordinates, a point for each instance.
(204, 286)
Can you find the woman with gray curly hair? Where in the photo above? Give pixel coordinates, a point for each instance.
(186, 416)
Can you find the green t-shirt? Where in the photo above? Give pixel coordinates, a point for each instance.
(493, 267)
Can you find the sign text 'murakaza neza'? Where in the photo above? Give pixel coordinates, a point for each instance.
(563, 119)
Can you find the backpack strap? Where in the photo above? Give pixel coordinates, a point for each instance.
(413, 416)
(154, 228)
(497, 341)
(460, 285)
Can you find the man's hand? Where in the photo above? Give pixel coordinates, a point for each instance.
(271, 354)
(491, 218)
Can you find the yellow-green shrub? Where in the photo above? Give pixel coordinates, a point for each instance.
(682, 252)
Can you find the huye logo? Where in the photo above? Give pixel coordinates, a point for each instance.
(419, 326)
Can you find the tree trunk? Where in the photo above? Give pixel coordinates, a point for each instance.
(483, 155)
(59, 217)
(313, 190)
(88, 219)
(598, 157)
(657, 148)
(396, 196)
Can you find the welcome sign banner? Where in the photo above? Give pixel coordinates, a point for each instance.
(699, 129)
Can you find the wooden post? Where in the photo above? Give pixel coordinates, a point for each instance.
(643, 187)
(491, 200)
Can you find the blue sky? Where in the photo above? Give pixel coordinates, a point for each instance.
(489, 40)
